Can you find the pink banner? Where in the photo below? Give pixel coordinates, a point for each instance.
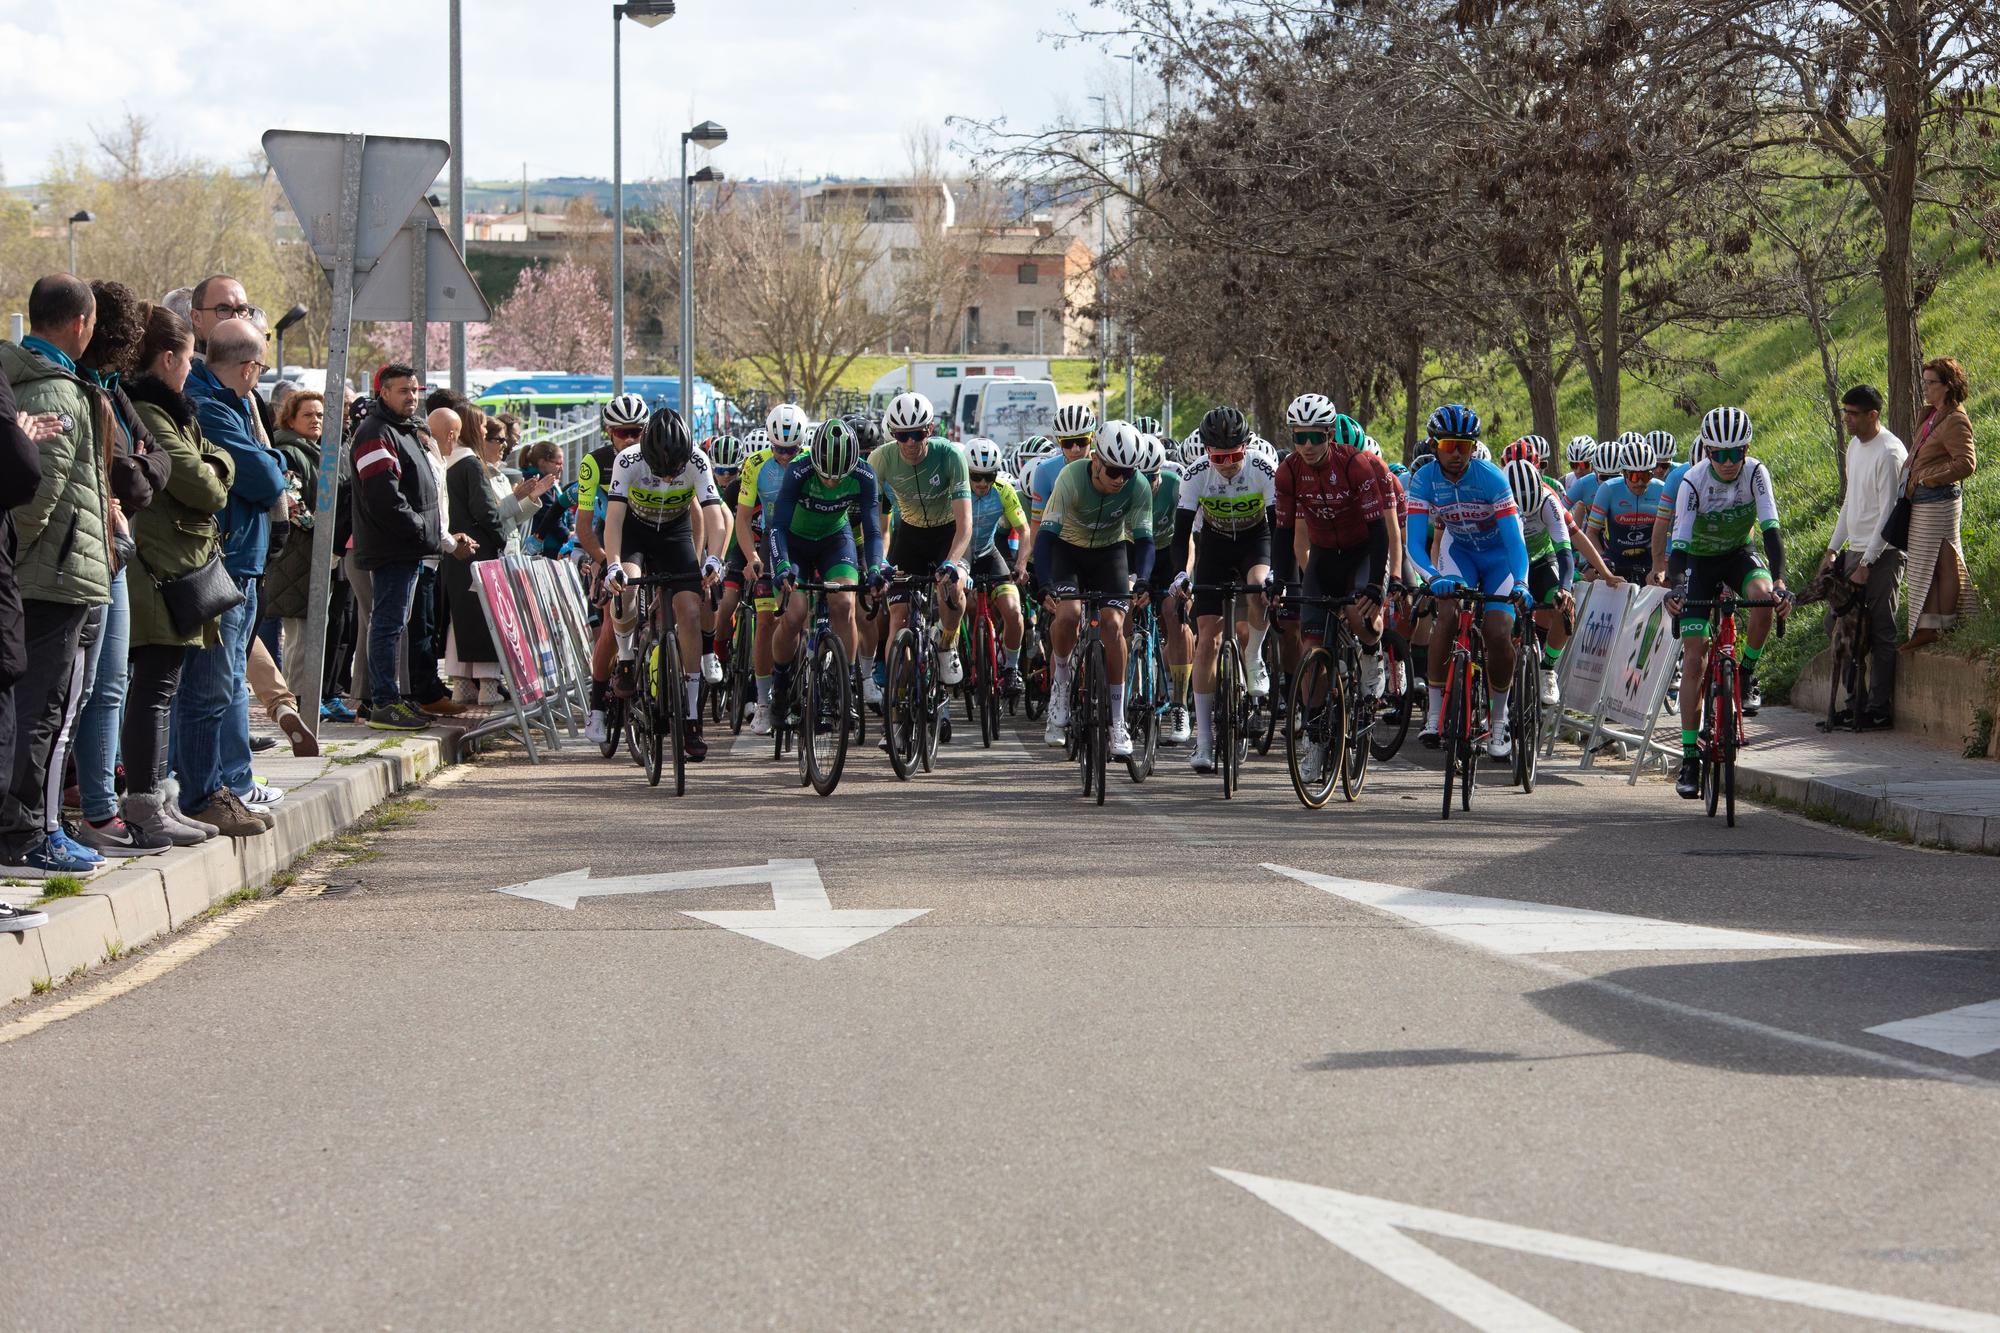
(539, 632)
(508, 635)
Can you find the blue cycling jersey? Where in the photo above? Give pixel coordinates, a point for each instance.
(1581, 490)
(1670, 490)
(1625, 522)
(989, 511)
(1042, 482)
(1477, 514)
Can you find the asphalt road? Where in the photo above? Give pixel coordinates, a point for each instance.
(424, 1103)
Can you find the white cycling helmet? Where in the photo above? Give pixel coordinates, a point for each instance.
(1525, 480)
(1147, 425)
(1034, 449)
(1119, 444)
(725, 452)
(1582, 449)
(982, 455)
(1370, 445)
(1155, 454)
(1605, 458)
(1192, 450)
(627, 409)
(1076, 419)
(908, 411)
(1259, 447)
(1664, 445)
(1311, 411)
(1481, 453)
(756, 438)
(1725, 428)
(1634, 454)
(786, 425)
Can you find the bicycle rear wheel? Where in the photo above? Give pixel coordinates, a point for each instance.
(900, 705)
(1392, 713)
(1525, 714)
(1097, 744)
(827, 705)
(1228, 713)
(614, 726)
(648, 719)
(1355, 711)
(1314, 742)
(1454, 724)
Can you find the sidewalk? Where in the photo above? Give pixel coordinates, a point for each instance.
(1928, 791)
(138, 899)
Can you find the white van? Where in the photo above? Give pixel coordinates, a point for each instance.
(1008, 411)
(944, 382)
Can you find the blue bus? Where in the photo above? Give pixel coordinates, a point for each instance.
(528, 396)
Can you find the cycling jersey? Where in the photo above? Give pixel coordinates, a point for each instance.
(593, 476)
(757, 485)
(810, 508)
(1166, 498)
(1625, 522)
(662, 501)
(1581, 490)
(923, 491)
(996, 511)
(1713, 516)
(1042, 483)
(1483, 541)
(1232, 506)
(1078, 513)
(1668, 490)
(1546, 530)
(1338, 499)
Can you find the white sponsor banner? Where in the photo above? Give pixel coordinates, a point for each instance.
(1597, 623)
(1641, 659)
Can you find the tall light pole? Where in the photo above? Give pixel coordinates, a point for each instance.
(651, 13)
(457, 223)
(1131, 188)
(289, 318)
(708, 134)
(1103, 261)
(81, 215)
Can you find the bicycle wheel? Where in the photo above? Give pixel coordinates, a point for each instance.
(828, 681)
(1468, 773)
(614, 725)
(1449, 730)
(1161, 695)
(1392, 712)
(900, 705)
(1262, 712)
(1354, 722)
(1035, 673)
(1524, 720)
(859, 715)
(1097, 745)
(984, 686)
(1314, 743)
(1227, 716)
(1726, 725)
(667, 664)
(935, 715)
(647, 714)
(742, 676)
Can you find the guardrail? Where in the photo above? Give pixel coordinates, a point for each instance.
(574, 432)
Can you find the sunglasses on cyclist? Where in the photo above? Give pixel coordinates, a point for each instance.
(1454, 447)
(1116, 473)
(1224, 457)
(1727, 455)
(1073, 441)
(627, 432)
(983, 476)
(909, 436)
(1315, 438)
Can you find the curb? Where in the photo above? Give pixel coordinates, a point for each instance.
(1861, 803)
(130, 906)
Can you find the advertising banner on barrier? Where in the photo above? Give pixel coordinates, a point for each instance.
(508, 633)
(1641, 661)
(541, 635)
(1597, 624)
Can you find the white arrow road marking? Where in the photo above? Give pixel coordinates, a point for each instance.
(1372, 1229)
(1504, 926)
(802, 918)
(1969, 1030)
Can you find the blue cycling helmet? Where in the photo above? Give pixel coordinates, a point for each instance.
(1454, 421)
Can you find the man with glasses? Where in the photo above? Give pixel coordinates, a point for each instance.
(214, 301)
(1859, 551)
(929, 490)
(1723, 501)
(757, 495)
(623, 421)
(1344, 495)
(1074, 426)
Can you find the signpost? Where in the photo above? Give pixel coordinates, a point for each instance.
(355, 195)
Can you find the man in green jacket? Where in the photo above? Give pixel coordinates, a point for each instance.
(63, 568)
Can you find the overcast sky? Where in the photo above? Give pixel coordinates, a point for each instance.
(804, 87)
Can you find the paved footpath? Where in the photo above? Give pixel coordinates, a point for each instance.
(968, 1052)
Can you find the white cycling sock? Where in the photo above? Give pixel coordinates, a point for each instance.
(1204, 710)
(1010, 657)
(1059, 675)
(1436, 718)
(1499, 706)
(764, 691)
(1256, 650)
(1117, 702)
(691, 682)
(626, 652)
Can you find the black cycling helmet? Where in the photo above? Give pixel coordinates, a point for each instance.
(666, 446)
(1224, 428)
(867, 429)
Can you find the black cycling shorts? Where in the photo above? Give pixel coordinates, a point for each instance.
(1331, 572)
(990, 564)
(1097, 571)
(1544, 581)
(918, 551)
(665, 551)
(1219, 560)
(1709, 575)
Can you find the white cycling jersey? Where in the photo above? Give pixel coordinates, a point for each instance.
(661, 501)
(1230, 506)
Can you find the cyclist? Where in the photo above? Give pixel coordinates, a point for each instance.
(725, 459)
(1722, 500)
(1098, 505)
(1074, 425)
(623, 421)
(1580, 486)
(1175, 635)
(785, 431)
(659, 489)
(1482, 548)
(924, 477)
(1344, 495)
(1624, 510)
(812, 540)
(733, 565)
(997, 513)
(1663, 526)
(1233, 491)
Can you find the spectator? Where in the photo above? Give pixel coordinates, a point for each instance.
(176, 535)
(494, 512)
(20, 478)
(423, 643)
(63, 568)
(136, 469)
(396, 524)
(1859, 552)
(549, 529)
(301, 421)
(1940, 585)
(211, 726)
(212, 301)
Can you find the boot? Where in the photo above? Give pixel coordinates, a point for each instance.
(170, 805)
(146, 812)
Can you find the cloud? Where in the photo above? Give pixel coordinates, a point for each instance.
(804, 86)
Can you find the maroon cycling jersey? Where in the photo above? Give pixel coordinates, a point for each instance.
(1338, 499)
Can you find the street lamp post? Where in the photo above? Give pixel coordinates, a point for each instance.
(708, 134)
(651, 13)
(81, 215)
(1103, 262)
(289, 318)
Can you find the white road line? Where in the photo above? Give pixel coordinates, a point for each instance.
(1969, 1030)
(1371, 1230)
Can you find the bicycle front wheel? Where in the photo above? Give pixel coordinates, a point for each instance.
(1355, 707)
(1726, 725)
(1454, 728)
(1097, 743)
(827, 721)
(984, 685)
(1319, 729)
(666, 671)
(648, 715)
(1525, 716)
(901, 704)
(1228, 715)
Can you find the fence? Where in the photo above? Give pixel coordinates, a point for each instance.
(540, 622)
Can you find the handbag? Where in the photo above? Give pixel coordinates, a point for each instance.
(1896, 529)
(198, 596)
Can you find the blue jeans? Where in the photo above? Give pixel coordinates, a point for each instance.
(211, 727)
(99, 724)
(391, 612)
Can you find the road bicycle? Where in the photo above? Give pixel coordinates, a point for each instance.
(1035, 655)
(822, 714)
(979, 646)
(1332, 719)
(1231, 717)
(1400, 689)
(740, 682)
(915, 713)
(1087, 738)
(1148, 689)
(657, 718)
(1720, 735)
(1464, 726)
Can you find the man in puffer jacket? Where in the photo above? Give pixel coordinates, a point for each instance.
(63, 568)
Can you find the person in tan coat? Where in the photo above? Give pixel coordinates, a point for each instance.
(1941, 457)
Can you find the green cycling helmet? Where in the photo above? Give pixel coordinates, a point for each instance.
(1348, 431)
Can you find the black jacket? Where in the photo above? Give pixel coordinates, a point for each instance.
(395, 509)
(20, 478)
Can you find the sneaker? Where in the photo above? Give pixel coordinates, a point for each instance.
(1260, 678)
(871, 691)
(1753, 696)
(693, 746)
(711, 668)
(1011, 682)
(1121, 739)
(760, 720)
(46, 857)
(397, 717)
(1203, 758)
(445, 707)
(593, 729)
(1428, 737)
(228, 815)
(262, 796)
(1177, 726)
(259, 744)
(950, 669)
(76, 851)
(336, 710)
(1052, 734)
(1059, 709)
(305, 745)
(115, 837)
(1688, 785)
(147, 813)
(1551, 690)
(20, 918)
(1374, 675)
(1500, 745)
(625, 679)
(1312, 764)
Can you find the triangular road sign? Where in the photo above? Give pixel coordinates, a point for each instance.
(395, 172)
(452, 295)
